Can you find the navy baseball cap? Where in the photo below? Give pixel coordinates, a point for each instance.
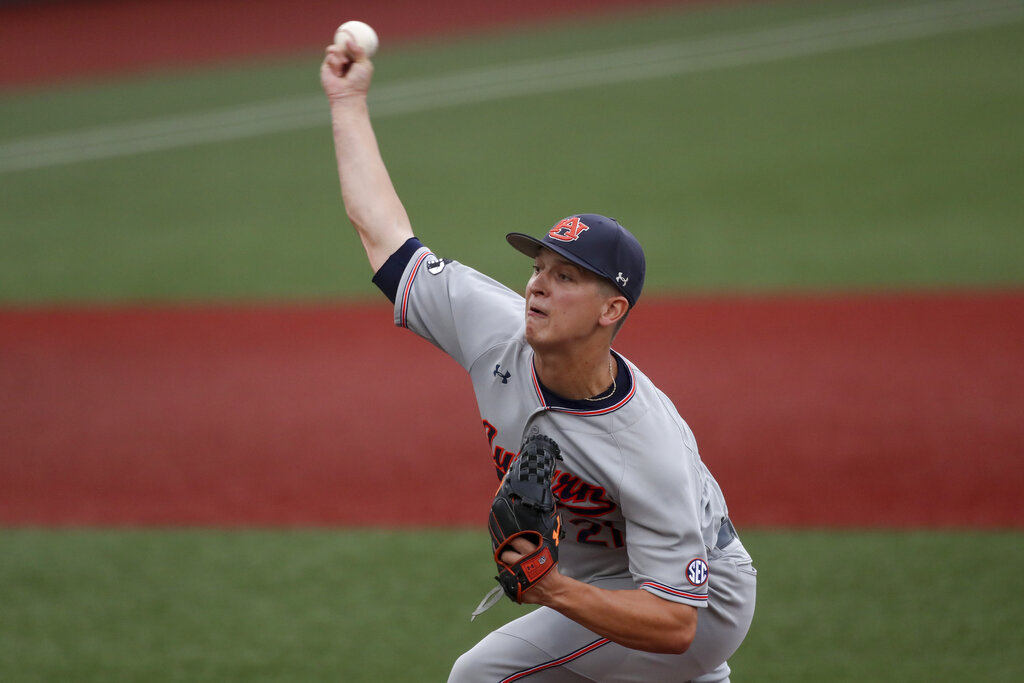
(594, 242)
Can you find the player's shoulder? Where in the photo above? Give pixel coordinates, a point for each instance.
(657, 414)
(414, 264)
(467, 280)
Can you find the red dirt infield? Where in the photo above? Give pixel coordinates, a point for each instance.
(882, 410)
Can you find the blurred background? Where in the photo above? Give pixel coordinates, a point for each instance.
(208, 423)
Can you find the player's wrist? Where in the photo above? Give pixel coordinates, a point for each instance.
(349, 100)
(558, 591)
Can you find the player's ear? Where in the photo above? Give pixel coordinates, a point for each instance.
(614, 310)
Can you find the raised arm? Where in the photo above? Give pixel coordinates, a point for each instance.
(370, 199)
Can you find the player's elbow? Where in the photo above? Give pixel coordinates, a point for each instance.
(678, 640)
(678, 636)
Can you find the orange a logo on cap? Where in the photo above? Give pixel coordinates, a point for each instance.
(568, 230)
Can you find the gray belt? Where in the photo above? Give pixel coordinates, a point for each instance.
(726, 535)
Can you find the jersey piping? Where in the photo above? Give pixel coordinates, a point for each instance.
(552, 402)
(408, 288)
(519, 675)
(653, 586)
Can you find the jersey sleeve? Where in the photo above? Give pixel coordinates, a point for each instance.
(456, 308)
(661, 503)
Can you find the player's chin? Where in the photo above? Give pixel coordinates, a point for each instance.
(540, 340)
(535, 330)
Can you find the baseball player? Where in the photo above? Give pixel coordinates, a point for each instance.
(651, 582)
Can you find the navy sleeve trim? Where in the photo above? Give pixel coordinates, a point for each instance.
(388, 277)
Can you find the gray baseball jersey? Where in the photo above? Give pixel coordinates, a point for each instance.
(639, 507)
(634, 495)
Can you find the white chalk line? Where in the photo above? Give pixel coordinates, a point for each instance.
(514, 80)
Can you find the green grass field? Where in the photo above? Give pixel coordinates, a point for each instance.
(892, 164)
(366, 606)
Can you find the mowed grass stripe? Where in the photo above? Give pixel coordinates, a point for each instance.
(476, 86)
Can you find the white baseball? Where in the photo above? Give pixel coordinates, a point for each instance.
(360, 33)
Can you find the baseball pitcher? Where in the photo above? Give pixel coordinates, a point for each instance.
(606, 515)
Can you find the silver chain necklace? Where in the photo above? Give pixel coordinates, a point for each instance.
(611, 392)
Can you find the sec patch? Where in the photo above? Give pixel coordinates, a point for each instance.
(697, 572)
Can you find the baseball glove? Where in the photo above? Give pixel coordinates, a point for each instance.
(524, 507)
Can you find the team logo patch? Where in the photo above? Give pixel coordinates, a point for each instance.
(568, 230)
(435, 266)
(697, 572)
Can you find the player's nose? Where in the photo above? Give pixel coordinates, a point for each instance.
(538, 285)
(539, 281)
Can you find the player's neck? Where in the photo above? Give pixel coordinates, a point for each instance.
(575, 376)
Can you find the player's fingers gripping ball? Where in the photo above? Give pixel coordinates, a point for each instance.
(524, 507)
(360, 33)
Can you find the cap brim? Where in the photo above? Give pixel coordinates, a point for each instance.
(531, 246)
(524, 243)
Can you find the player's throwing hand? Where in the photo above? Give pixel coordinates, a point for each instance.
(346, 72)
